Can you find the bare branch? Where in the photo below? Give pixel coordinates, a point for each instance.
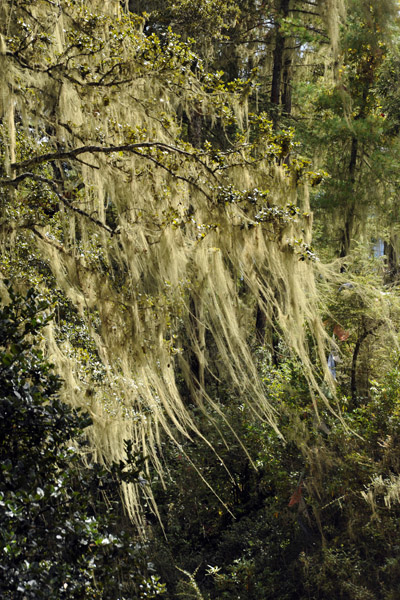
(71, 154)
(53, 185)
(48, 240)
(304, 12)
(133, 148)
(176, 176)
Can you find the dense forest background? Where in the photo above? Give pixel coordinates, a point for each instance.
(200, 312)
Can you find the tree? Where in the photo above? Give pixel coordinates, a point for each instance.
(348, 135)
(60, 536)
(157, 195)
(107, 205)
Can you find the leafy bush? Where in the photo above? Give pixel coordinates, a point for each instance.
(59, 536)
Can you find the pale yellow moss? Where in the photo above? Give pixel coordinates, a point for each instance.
(158, 275)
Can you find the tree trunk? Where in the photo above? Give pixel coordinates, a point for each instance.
(278, 65)
(350, 212)
(392, 257)
(287, 86)
(357, 348)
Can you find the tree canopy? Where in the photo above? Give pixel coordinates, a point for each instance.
(207, 196)
(161, 244)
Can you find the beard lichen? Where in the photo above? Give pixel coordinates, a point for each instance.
(151, 243)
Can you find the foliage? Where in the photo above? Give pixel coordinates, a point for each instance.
(166, 176)
(334, 536)
(117, 205)
(352, 135)
(62, 534)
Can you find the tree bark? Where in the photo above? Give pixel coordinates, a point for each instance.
(350, 212)
(392, 257)
(278, 64)
(357, 348)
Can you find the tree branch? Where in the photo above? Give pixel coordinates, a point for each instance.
(52, 184)
(72, 154)
(133, 148)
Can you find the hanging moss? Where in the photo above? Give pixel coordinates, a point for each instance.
(89, 112)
